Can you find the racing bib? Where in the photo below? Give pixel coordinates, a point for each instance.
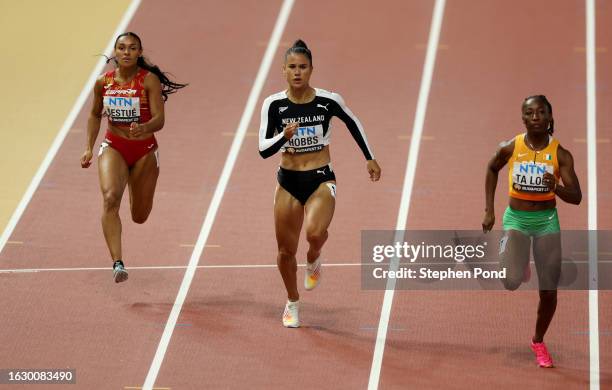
(122, 109)
(527, 176)
(306, 139)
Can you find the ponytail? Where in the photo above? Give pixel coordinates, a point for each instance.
(168, 86)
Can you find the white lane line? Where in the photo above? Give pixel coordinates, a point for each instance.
(415, 141)
(59, 139)
(262, 75)
(171, 267)
(239, 266)
(592, 194)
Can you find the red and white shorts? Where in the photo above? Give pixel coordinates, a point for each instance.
(131, 150)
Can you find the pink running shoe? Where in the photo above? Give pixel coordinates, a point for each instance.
(542, 356)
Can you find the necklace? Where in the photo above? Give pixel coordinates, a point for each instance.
(532, 147)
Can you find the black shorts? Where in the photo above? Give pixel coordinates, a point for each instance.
(302, 184)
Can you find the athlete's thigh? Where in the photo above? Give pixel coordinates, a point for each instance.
(514, 253)
(547, 257)
(320, 207)
(288, 219)
(143, 179)
(112, 171)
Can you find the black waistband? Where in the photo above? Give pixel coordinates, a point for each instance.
(315, 171)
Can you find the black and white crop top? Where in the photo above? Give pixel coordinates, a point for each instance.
(313, 120)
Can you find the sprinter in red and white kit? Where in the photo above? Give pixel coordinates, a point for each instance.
(132, 97)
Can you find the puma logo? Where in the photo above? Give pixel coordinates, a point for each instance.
(323, 106)
(322, 172)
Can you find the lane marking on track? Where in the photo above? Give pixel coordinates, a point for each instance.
(413, 153)
(586, 333)
(374, 328)
(232, 134)
(578, 49)
(423, 138)
(234, 266)
(173, 267)
(422, 46)
(592, 193)
(206, 246)
(285, 44)
(586, 253)
(599, 140)
(262, 75)
(66, 127)
(140, 388)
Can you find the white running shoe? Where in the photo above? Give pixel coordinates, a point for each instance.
(313, 274)
(291, 317)
(119, 272)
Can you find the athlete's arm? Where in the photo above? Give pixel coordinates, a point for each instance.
(570, 190)
(93, 122)
(499, 160)
(269, 143)
(353, 125)
(156, 104)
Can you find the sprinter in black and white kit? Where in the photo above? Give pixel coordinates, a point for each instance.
(312, 119)
(297, 122)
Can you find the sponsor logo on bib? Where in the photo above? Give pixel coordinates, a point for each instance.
(528, 176)
(307, 139)
(122, 109)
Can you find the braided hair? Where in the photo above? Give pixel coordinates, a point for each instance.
(551, 126)
(168, 86)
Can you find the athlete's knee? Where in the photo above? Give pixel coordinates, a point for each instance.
(549, 277)
(140, 218)
(315, 236)
(112, 200)
(140, 214)
(286, 255)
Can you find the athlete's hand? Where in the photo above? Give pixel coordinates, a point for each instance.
(86, 159)
(290, 129)
(549, 181)
(488, 221)
(136, 130)
(373, 170)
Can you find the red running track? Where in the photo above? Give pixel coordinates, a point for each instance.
(229, 333)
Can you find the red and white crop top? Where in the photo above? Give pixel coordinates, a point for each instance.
(126, 103)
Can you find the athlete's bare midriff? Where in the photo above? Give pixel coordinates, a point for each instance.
(124, 131)
(305, 161)
(531, 205)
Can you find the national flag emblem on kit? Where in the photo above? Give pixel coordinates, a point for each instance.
(547, 157)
